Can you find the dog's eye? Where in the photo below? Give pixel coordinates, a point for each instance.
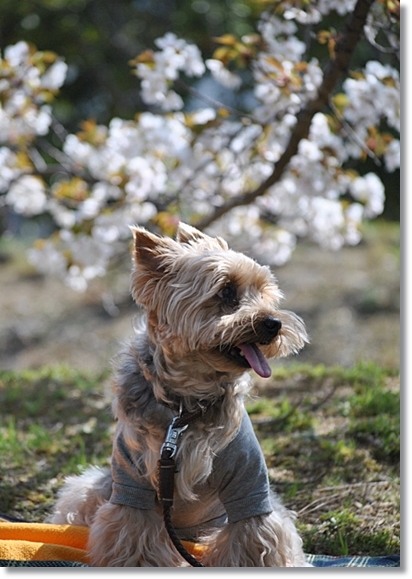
(228, 295)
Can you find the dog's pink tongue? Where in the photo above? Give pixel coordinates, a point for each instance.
(256, 359)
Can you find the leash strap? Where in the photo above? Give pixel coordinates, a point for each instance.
(166, 473)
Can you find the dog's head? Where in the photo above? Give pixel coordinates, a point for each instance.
(209, 303)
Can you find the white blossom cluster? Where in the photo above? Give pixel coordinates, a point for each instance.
(313, 12)
(373, 97)
(282, 85)
(175, 55)
(174, 164)
(26, 82)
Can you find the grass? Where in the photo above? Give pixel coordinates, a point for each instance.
(53, 421)
(331, 439)
(330, 436)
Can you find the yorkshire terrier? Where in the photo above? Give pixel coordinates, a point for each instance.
(210, 316)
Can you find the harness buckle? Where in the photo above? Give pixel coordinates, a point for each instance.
(172, 436)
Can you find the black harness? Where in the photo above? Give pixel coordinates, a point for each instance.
(166, 471)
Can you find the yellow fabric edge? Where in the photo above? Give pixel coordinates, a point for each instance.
(48, 542)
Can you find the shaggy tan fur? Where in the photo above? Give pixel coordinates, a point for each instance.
(206, 310)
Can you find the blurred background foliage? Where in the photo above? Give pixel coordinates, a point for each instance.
(99, 38)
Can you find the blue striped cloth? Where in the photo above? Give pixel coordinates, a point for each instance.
(316, 560)
(354, 561)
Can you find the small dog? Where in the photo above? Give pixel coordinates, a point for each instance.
(210, 315)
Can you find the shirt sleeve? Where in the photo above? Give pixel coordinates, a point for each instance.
(240, 474)
(128, 487)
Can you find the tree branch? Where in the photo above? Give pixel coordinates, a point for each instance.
(352, 134)
(335, 69)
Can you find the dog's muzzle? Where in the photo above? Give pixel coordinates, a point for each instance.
(247, 354)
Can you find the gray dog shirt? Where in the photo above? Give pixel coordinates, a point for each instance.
(237, 488)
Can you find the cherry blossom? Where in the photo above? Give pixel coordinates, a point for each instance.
(27, 195)
(180, 161)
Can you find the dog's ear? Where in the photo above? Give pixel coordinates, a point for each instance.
(188, 234)
(151, 251)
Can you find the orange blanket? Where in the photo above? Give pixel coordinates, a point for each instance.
(47, 542)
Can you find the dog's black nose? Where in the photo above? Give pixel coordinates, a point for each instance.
(272, 324)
